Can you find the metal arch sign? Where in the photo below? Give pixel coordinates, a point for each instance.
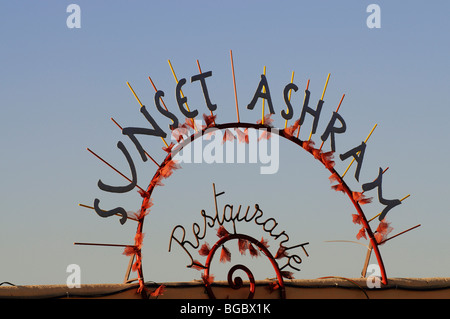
(185, 132)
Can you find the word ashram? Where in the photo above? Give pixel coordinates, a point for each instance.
(336, 125)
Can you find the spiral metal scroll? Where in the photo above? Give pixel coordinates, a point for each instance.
(237, 283)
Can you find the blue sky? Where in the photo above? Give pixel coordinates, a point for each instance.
(60, 87)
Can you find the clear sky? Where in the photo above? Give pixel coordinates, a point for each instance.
(60, 86)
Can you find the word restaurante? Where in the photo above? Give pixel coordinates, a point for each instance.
(269, 225)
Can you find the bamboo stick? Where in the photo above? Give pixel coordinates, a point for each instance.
(307, 87)
(263, 100)
(200, 70)
(337, 110)
(289, 97)
(323, 94)
(182, 94)
(116, 170)
(234, 85)
(365, 141)
(153, 160)
(139, 101)
(90, 207)
(381, 212)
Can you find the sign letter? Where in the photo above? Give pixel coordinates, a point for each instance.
(314, 113)
(182, 99)
(260, 94)
(201, 77)
(131, 131)
(165, 112)
(287, 89)
(390, 203)
(358, 154)
(331, 129)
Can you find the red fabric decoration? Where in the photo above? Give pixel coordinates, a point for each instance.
(356, 219)
(179, 132)
(253, 251)
(334, 178)
(143, 193)
(159, 291)
(138, 263)
(222, 232)
(383, 227)
(168, 149)
(361, 233)
(204, 250)
(382, 231)
(265, 135)
(138, 239)
(207, 279)
(209, 120)
(365, 200)
(147, 203)
(316, 153)
(144, 211)
(378, 237)
(167, 169)
(308, 145)
(267, 120)
(338, 187)
(242, 136)
(289, 131)
(189, 123)
(281, 252)
(135, 250)
(129, 250)
(142, 288)
(360, 198)
(264, 242)
(225, 255)
(327, 159)
(228, 136)
(273, 286)
(156, 181)
(287, 274)
(243, 245)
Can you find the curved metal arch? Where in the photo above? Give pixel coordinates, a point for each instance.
(293, 139)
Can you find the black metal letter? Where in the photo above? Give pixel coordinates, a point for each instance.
(287, 89)
(131, 131)
(389, 203)
(181, 100)
(165, 112)
(331, 129)
(117, 210)
(122, 189)
(201, 77)
(314, 113)
(358, 157)
(260, 94)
